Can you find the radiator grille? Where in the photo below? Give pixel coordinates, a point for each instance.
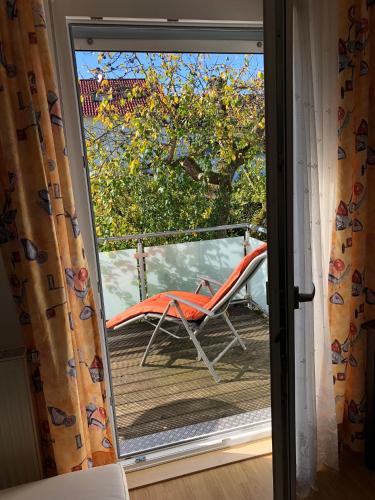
(19, 459)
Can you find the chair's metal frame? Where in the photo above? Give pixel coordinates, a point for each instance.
(194, 328)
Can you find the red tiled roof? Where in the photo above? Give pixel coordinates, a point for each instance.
(120, 86)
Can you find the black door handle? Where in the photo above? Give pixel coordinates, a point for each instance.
(302, 297)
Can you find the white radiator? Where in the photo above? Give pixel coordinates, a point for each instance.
(19, 453)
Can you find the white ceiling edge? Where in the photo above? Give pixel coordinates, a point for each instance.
(209, 11)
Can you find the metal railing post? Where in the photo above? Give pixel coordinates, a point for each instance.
(141, 270)
(246, 247)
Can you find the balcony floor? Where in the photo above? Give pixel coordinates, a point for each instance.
(174, 390)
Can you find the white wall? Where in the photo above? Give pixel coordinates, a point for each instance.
(214, 10)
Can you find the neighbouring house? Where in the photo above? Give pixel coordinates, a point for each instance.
(93, 92)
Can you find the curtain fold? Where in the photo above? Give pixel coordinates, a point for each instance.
(352, 272)
(43, 252)
(315, 149)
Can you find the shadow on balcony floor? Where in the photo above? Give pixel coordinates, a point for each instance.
(175, 390)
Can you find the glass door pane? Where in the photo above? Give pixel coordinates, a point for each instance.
(173, 399)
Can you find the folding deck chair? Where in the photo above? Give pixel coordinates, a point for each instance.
(192, 310)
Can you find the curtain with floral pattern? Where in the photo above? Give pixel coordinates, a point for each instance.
(352, 270)
(42, 248)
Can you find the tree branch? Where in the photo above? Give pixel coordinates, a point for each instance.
(172, 150)
(192, 168)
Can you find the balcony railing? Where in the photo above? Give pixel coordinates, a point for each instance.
(131, 275)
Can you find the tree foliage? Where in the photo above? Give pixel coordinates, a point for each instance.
(193, 156)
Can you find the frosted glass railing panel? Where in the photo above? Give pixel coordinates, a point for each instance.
(176, 267)
(119, 279)
(257, 285)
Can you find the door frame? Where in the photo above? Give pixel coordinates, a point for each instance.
(64, 44)
(278, 44)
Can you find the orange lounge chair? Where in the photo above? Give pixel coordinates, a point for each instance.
(192, 310)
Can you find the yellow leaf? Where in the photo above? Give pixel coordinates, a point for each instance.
(133, 166)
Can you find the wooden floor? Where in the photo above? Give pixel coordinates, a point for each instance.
(352, 482)
(247, 480)
(252, 480)
(174, 389)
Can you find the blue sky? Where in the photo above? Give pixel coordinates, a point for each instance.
(89, 60)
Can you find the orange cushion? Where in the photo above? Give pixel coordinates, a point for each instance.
(232, 279)
(159, 302)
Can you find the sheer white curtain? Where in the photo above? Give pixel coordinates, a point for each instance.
(315, 150)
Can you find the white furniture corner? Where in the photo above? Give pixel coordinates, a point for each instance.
(106, 482)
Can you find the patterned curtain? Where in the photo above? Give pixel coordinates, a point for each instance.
(42, 249)
(352, 271)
